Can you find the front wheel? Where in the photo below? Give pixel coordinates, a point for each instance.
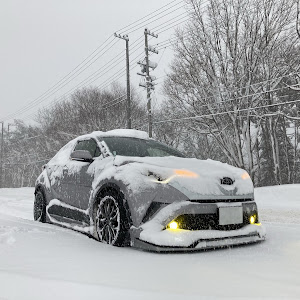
(111, 221)
(39, 207)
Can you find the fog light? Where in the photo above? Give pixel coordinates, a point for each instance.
(173, 225)
(252, 219)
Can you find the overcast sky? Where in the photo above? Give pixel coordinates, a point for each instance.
(43, 40)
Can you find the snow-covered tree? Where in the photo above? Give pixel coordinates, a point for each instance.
(232, 56)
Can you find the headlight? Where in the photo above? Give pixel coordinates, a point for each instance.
(176, 173)
(185, 173)
(245, 175)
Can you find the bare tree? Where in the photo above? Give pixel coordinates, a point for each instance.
(229, 58)
(298, 18)
(87, 110)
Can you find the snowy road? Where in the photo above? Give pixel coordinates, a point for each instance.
(42, 261)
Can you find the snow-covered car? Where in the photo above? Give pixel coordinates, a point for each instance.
(124, 188)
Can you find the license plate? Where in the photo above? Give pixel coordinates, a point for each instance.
(230, 215)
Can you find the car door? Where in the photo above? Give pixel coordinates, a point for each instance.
(82, 183)
(59, 174)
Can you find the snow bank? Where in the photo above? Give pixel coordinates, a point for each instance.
(280, 204)
(43, 261)
(17, 202)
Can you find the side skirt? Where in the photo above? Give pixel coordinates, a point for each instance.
(67, 214)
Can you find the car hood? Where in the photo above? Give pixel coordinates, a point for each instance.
(197, 179)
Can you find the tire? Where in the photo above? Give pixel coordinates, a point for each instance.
(39, 207)
(110, 219)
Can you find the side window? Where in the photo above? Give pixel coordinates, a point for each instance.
(89, 145)
(98, 152)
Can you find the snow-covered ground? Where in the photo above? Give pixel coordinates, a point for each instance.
(43, 261)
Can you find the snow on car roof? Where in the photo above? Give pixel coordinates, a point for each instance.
(116, 132)
(123, 133)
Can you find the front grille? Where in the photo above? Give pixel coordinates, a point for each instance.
(204, 222)
(227, 181)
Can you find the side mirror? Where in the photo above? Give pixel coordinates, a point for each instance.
(82, 155)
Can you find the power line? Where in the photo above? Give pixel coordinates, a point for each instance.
(173, 24)
(101, 86)
(59, 83)
(170, 20)
(128, 27)
(161, 56)
(45, 97)
(143, 24)
(226, 112)
(159, 32)
(89, 60)
(69, 92)
(166, 43)
(94, 75)
(249, 95)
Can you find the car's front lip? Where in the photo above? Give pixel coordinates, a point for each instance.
(201, 244)
(200, 239)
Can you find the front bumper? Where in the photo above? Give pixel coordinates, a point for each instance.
(153, 235)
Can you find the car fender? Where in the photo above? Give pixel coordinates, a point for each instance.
(138, 204)
(43, 183)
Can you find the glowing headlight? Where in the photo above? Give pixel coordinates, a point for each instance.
(185, 173)
(245, 175)
(173, 225)
(176, 173)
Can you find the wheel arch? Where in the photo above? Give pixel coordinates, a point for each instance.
(113, 187)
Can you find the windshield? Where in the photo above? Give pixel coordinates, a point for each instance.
(127, 146)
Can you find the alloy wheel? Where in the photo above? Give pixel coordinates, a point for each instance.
(108, 220)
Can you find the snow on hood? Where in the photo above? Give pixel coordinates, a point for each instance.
(195, 178)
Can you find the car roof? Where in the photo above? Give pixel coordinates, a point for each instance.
(133, 133)
(118, 133)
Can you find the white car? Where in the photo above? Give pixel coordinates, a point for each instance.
(124, 188)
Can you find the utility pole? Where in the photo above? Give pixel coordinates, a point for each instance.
(146, 65)
(8, 125)
(128, 106)
(1, 156)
